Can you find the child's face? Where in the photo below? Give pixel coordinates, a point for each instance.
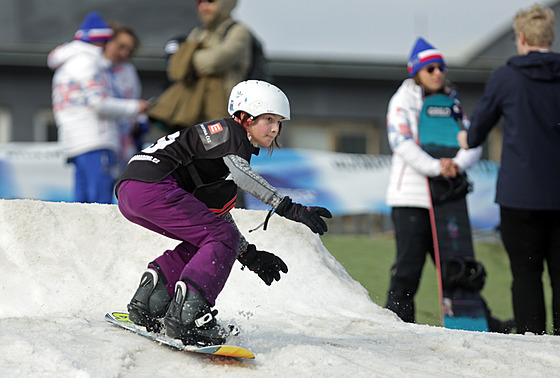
(264, 129)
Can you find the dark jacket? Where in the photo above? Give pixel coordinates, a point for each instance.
(194, 157)
(526, 93)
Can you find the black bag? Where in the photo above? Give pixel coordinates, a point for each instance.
(259, 63)
(448, 189)
(463, 273)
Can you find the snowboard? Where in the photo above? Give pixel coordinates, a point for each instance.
(121, 319)
(461, 304)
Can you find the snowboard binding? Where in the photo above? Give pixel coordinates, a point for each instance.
(150, 302)
(190, 319)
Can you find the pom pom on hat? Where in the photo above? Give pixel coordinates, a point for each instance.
(94, 29)
(423, 54)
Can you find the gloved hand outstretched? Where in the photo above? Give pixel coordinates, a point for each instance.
(265, 264)
(308, 215)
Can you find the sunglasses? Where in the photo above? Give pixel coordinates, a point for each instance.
(204, 1)
(431, 69)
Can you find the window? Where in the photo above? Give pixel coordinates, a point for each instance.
(311, 137)
(353, 136)
(44, 126)
(5, 125)
(352, 143)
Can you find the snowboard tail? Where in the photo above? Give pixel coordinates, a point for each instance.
(465, 314)
(121, 319)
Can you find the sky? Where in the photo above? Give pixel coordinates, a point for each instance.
(64, 265)
(377, 30)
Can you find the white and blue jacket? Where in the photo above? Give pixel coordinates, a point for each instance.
(411, 165)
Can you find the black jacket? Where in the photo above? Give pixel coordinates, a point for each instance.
(194, 157)
(526, 93)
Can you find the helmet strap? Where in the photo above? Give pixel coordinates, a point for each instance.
(244, 123)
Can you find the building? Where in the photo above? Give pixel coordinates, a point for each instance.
(336, 105)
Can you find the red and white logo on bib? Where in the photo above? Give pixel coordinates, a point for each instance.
(215, 128)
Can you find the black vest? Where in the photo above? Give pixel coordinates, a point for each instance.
(194, 157)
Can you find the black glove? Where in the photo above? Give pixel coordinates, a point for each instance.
(310, 215)
(265, 264)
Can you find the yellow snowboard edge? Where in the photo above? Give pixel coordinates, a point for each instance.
(233, 351)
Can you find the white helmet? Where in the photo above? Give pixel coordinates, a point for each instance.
(257, 97)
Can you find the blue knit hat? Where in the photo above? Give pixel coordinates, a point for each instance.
(423, 54)
(94, 29)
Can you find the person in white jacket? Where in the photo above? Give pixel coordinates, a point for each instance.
(85, 109)
(407, 192)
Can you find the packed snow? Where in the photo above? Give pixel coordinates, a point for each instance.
(64, 265)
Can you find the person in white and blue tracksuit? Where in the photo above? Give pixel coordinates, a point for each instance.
(85, 109)
(407, 192)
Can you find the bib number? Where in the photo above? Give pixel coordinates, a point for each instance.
(161, 143)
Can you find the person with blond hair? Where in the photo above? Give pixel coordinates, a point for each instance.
(526, 93)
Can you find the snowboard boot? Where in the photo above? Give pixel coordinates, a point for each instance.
(150, 302)
(500, 326)
(190, 319)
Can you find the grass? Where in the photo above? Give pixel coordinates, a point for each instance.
(368, 260)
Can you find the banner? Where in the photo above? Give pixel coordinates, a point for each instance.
(347, 184)
(35, 171)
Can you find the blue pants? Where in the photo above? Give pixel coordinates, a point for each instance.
(94, 178)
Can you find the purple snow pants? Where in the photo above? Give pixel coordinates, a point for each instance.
(209, 243)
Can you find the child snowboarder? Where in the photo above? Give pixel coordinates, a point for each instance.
(183, 187)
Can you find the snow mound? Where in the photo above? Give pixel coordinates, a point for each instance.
(64, 265)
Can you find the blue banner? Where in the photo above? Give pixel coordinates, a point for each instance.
(347, 184)
(35, 171)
